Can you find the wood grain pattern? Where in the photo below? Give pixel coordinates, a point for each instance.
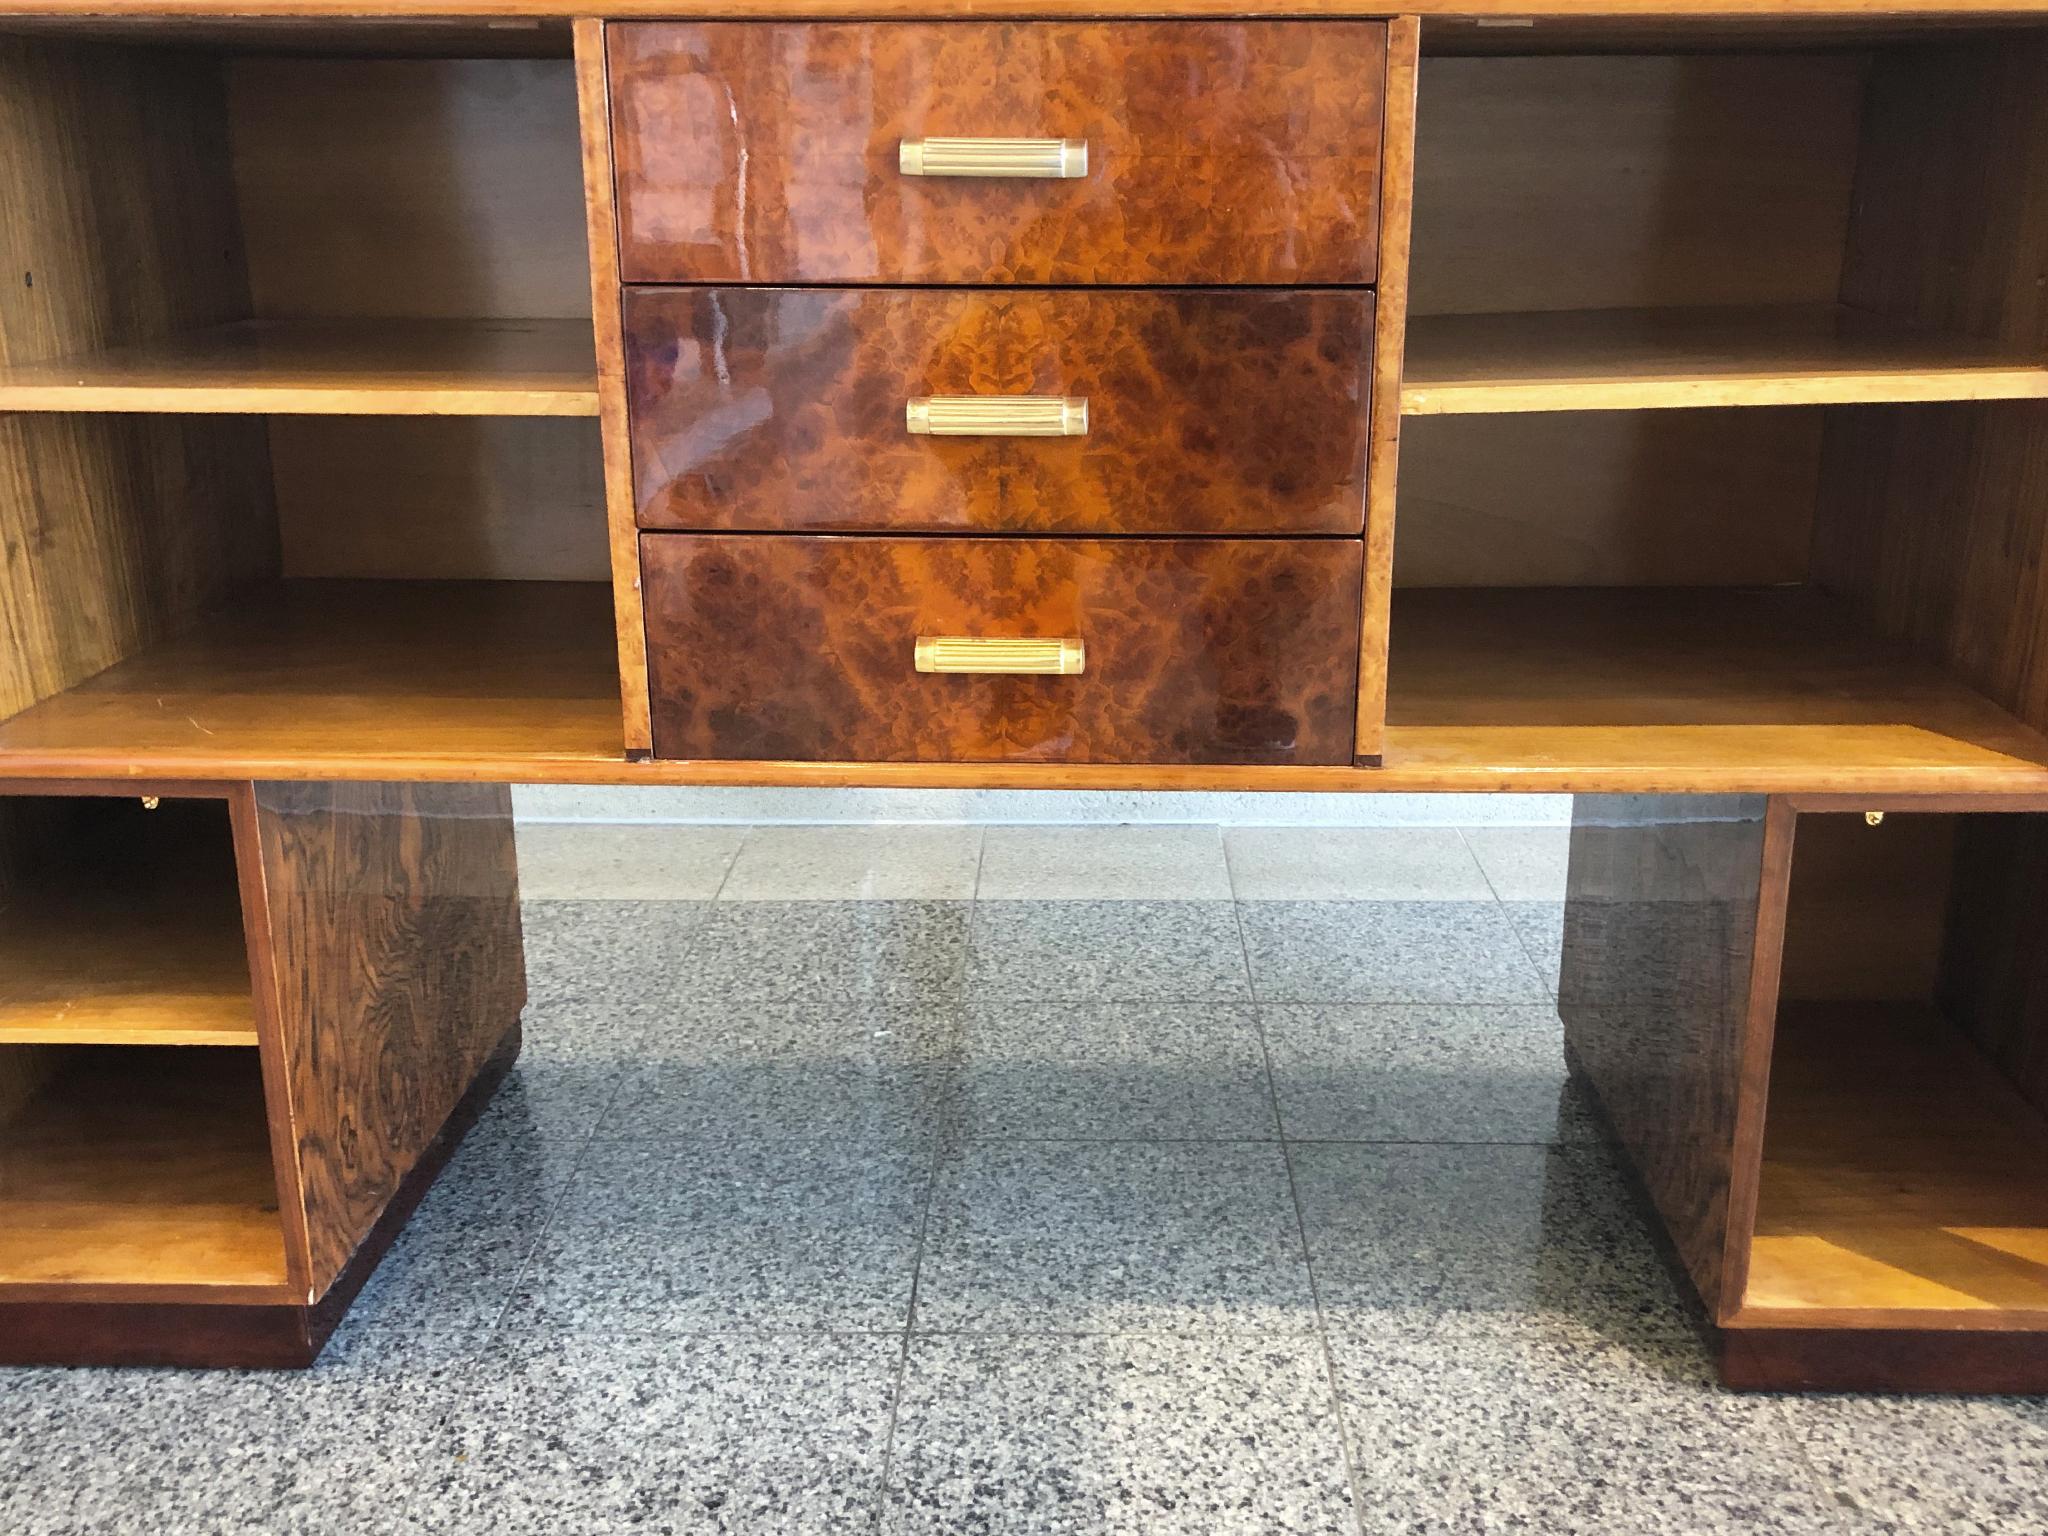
(1397, 212)
(1994, 974)
(766, 409)
(1227, 152)
(1671, 359)
(1889, 11)
(1847, 1358)
(1198, 650)
(622, 532)
(121, 228)
(1660, 930)
(141, 1171)
(1626, 182)
(418, 368)
(395, 967)
(1929, 519)
(1867, 913)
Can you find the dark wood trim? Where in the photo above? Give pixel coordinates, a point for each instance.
(239, 1336)
(1881, 1360)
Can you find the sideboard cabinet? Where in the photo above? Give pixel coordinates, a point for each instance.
(399, 402)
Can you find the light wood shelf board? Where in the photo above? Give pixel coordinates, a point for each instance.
(1902, 1175)
(109, 971)
(143, 1169)
(1663, 359)
(352, 367)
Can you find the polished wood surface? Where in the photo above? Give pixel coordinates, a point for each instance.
(1886, 11)
(1659, 935)
(1995, 980)
(783, 408)
(1661, 359)
(311, 677)
(1390, 319)
(1224, 152)
(1629, 182)
(141, 1170)
(394, 965)
(1197, 650)
(1902, 1174)
(1867, 915)
(410, 368)
(622, 537)
(134, 524)
(121, 926)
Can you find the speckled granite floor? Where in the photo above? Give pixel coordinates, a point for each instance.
(916, 1179)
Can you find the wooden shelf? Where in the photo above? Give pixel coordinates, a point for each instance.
(350, 679)
(1657, 359)
(334, 368)
(1902, 1174)
(1732, 690)
(143, 1169)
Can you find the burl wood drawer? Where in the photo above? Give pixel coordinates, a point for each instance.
(1070, 411)
(1187, 650)
(997, 152)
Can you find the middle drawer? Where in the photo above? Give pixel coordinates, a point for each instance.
(1206, 412)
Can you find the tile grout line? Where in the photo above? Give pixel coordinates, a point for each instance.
(888, 1467)
(733, 863)
(1322, 1333)
(1543, 977)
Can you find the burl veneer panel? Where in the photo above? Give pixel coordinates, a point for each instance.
(396, 968)
(1660, 931)
(782, 408)
(1218, 152)
(1216, 651)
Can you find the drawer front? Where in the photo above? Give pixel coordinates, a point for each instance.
(1206, 412)
(1191, 650)
(1217, 152)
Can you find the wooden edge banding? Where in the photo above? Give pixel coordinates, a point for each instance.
(593, 106)
(1753, 1069)
(278, 1110)
(1390, 331)
(1850, 1359)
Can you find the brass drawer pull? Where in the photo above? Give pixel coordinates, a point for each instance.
(1005, 654)
(996, 416)
(1047, 159)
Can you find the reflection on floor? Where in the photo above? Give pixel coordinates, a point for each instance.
(1102, 1181)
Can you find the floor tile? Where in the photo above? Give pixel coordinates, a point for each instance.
(584, 861)
(1353, 864)
(802, 1071)
(1958, 1466)
(543, 1105)
(1107, 951)
(750, 1433)
(1035, 1071)
(786, 950)
(709, 1236)
(856, 863)
(1540, 926)
(1134, 1436)
(598, 968)
(1423, 1072)
(1113, 1237)
(1104, 864)
(1386, 952)
(1421, 1229)
(1488, 1422)
(1523, 863)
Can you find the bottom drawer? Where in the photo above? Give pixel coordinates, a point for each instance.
(1190, 650)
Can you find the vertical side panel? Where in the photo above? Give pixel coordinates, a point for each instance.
(1994, 979)
(600, 206)
(1659, 943)
(1390, 327)
(117, 224)
(396, 960)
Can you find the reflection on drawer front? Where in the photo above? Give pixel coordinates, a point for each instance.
(1142, 152)
(1074, 411)
(1176, 650)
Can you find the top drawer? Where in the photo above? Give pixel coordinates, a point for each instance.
(1217, 152)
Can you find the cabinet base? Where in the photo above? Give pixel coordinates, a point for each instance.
(289, 1335)
(1854, 1359)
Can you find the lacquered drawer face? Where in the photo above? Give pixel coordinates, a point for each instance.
(1186, 412)
(1216, 152)
(1190, 650)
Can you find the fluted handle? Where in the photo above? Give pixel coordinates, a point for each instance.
(1047, 159)
(996, 416)
(1000, 655)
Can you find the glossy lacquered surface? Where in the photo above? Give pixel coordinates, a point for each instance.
(1218, 152)
(783, 408)
(1198, 651)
